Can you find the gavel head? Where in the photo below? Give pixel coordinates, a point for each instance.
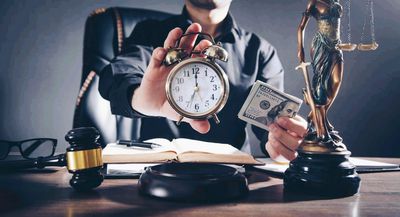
(84, 158)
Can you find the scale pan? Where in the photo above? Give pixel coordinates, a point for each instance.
(368, 47)
(347, 47)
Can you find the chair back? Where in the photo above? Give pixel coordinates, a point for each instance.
(105, 34)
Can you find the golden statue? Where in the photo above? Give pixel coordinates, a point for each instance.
(327, 64)
(322, 166)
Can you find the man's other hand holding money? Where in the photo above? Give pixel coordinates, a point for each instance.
(285, 135)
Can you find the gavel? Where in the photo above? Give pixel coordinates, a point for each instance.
(83, 159)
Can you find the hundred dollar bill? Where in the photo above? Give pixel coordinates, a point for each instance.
(265, 104)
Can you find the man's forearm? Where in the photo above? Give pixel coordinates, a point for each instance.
(117, 83)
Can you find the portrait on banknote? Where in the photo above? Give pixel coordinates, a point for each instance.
(265, 104)
(286, 108)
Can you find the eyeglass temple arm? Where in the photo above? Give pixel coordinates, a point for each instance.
(41, 162)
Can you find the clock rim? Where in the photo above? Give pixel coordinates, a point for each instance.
(217, 107)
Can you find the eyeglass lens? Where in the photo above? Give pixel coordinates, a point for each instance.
(37, 148)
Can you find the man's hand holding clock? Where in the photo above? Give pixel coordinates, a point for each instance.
(150, 97)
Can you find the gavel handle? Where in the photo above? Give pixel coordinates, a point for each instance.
(55, 161)
(58, 160)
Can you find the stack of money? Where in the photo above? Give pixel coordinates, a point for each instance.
(265, 104)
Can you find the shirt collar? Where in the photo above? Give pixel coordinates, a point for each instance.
(230, 29)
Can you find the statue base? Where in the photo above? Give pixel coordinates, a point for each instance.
(325, 174)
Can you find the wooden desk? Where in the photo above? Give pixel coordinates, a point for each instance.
(47, 193)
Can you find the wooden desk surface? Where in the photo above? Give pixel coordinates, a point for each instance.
(47, 193)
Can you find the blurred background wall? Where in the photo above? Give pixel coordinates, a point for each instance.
(41, 59)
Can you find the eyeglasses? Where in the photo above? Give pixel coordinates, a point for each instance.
(30, 148)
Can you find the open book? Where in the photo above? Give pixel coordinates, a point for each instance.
(178, 150)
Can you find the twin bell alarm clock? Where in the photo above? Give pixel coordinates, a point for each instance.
(197, 87)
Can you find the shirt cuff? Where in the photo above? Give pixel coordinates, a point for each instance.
(121, 103)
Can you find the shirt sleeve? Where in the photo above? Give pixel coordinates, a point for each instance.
(121, 77)
(271, 72)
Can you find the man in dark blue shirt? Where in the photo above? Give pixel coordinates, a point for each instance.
(134, 82)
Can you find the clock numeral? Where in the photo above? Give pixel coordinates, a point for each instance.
(207, 103)
(212, 96)
(186, 73)
(195, 70)
(197, 107)
(176, 88)
(180, 99)
(180, 80)
(215, 87)
(206, 73)
(212, 78)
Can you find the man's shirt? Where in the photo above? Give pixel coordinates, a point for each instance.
(251, 58)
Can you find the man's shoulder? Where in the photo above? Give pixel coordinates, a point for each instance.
(156, 25)
(152, 32)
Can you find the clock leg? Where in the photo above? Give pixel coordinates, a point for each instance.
(179, 120)
(216, 119)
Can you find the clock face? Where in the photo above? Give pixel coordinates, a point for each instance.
(197, 88)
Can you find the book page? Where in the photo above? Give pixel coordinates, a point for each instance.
(115, 153)
(190, 145)
(189, 150)
(166, 145)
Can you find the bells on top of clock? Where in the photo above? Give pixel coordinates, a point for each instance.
(214, 51)
(197, 87)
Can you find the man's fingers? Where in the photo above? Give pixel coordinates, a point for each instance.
(157, 58)
(188, 42)
(289, 141)
(281, 149)
(202, 45)
(297, 126)
(172, 37)
(299, 118)
(286, 135)
(201, 126)
(271, 151)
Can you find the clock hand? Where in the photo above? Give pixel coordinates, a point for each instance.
(195, 78)
(191, 99)
(194, 91)
(197, 90)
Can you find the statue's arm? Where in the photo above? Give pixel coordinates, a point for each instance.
(301, 28)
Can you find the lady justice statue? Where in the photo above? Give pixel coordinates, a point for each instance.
(327, 65)
(322, 165)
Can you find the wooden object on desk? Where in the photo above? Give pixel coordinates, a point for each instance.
(47, 193)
